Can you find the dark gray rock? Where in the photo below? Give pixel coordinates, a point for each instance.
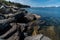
(5, 25)
(2, 16)
(9, 32)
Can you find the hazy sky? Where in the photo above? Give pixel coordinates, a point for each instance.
(39, 3)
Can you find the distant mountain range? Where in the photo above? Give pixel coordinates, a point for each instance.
(52, 7)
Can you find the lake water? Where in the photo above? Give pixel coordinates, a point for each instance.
(51, 15)
(46, 12)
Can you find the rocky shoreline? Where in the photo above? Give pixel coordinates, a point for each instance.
(17, 23)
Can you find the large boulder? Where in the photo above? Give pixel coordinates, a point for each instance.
(37, 16)
(31, 17)
(20, 18)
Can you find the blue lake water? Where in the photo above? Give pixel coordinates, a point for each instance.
(46, 12)
(52, 14)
